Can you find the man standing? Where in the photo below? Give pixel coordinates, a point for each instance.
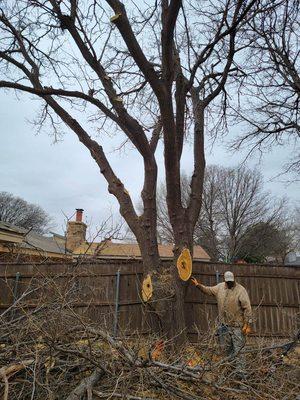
(234, 315)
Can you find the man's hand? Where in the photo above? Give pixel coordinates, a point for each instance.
(246, 329)
(195, 282)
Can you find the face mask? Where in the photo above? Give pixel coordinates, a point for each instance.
(230, 284)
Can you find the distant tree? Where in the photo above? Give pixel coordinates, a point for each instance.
(19, 212)
(290, 231)
(239, 219)
(240, 203)
(264, 240)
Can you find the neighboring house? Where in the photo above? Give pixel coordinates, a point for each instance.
(21, 242)
(76, 242)
(292, 258)
(15, 241)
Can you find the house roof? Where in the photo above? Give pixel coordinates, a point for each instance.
(109, 249)
(5, 226)
(10, 233)
(46, 244)
(30, 241)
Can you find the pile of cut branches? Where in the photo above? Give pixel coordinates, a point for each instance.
(52, 352)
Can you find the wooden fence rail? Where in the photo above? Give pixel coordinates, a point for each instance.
(91, 288)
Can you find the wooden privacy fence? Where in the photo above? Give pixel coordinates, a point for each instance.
(108, 292)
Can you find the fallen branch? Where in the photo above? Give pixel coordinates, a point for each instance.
(85, 384)
(102, 395)
(6, 384)
(14, 368)
(10, 370)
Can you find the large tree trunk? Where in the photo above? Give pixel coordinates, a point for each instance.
(183, 239)
(165, 311)
(158, 311)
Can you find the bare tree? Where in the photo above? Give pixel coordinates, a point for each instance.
(270, 88)
(19, 212)
(242, 203)
(239, 219)
(146, 72)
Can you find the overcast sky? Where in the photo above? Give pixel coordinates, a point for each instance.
(61, 177)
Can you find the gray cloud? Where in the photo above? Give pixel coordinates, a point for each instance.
(60, 177)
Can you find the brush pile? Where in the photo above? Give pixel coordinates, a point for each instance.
(50, 352)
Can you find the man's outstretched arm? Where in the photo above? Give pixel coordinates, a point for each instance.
(210, 290)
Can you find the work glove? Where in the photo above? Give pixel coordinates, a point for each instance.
(195, 282)
(246, 329)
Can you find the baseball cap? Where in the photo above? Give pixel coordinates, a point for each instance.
(228, 276)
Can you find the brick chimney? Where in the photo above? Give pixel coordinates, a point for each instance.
(76, 231)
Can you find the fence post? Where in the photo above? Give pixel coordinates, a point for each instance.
(15, 292)
(16, 286)
(218, 277)
(116, 316)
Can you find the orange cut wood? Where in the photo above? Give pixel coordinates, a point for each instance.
(158, 349)
(184, 265)
(147, 288)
